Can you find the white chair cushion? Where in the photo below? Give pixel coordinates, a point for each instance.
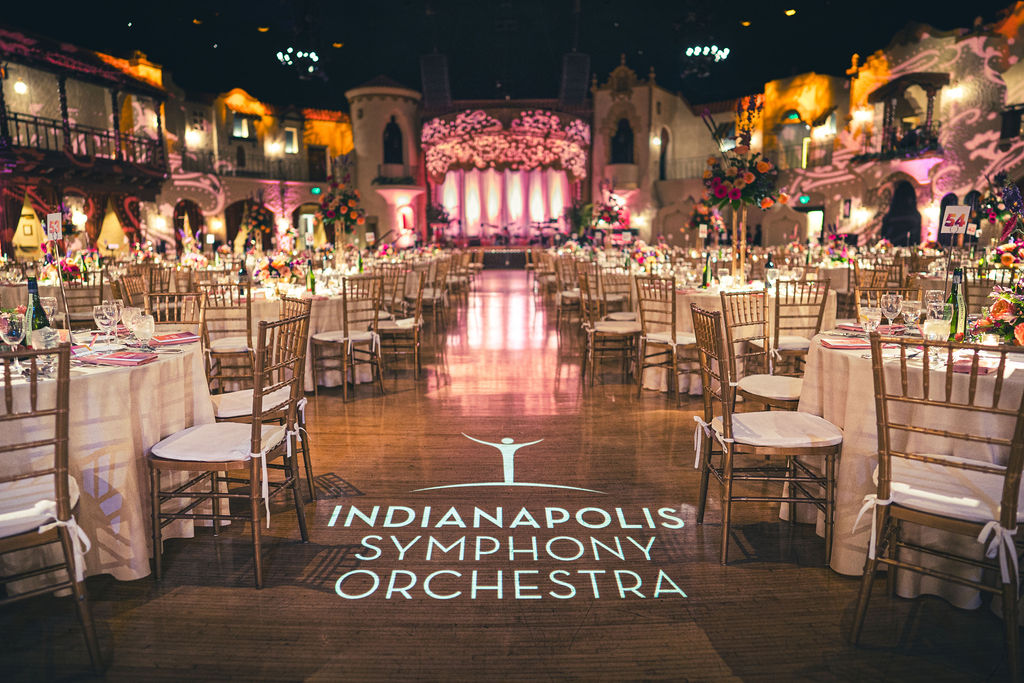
(339, 336)
(570, 293)
(18, 510)
(964, 494)
(400, 324)
(682, 338)
(431, 293)
(617, 327)
(781, 429)
(384, 315)
(229, 345)
(217, 442)
(239, 403)
(787, 343)
(615, 297)
(778, 387)
(621, 315)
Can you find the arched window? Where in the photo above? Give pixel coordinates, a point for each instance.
(947, 238)
(902, 224)
(663, 156)
(622, 143)
(393, 143)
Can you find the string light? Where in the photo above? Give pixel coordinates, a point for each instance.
(711, 51)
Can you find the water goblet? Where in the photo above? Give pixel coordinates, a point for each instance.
(797, 273)
(870, 317)
(130, 317)
(144, 330)
(770, 276)
(101, 315)
(12, 332)
(936, 326)
(117, 306)
(933, 297)
(911, 312)
(891, 305)
(722, 274)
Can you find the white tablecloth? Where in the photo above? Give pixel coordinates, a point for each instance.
(116, 416)
(15, 295)
(852, 409)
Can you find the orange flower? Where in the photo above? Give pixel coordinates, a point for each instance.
(712, 161)
(739, 184)
(705, 194)
(707, 174)
(1018, 334)
(730, 171)
(783, 198)
(1006, 259)
(351, 202)
(764, 166)
(767, 203)
(748, 177)
(360, 221)
(741, 149)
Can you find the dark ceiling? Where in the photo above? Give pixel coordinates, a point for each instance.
(495, 48)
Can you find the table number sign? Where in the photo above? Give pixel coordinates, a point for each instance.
(53, 227)
(702, 231)
(954, 220)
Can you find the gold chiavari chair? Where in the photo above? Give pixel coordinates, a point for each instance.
(617, 292)
(131, 289)
(605, 338)
(544, 271)
(402, 337)
(177, 309)
(758, 447)
(979, 283)
(961, 476)
(748, 351)
(435, 296)
(80, 299)
(799, 311)
(215, 451)
(160, 278)
(567, 299)
(394, 276)
(38, 496)
(358, 342)
(227, 334)
(662, 343)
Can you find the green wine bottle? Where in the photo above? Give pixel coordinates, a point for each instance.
(958, 324)
(310, 277)
(705, 278)
(38, 333)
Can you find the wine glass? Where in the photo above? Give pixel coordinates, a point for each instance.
(102, 315)
(936, 326)
(12, 332)
(770, 276)
(911, 311)
(891, 305)
(933, 297)
(144, 329)
(130, 317)
(722, 273)
(870, 317)
(117, 306)
(797, 273)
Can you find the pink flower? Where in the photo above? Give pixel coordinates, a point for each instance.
(735, 193)
(1018, 334)
(720, 192)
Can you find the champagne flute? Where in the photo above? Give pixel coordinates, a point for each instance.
(891, 305)
(12, 331)
(117, 306)
(101, 316)
(144, 329)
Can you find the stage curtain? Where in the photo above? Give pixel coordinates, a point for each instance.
(11, 200)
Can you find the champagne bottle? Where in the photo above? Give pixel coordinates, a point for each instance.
(243, 276)
(769, 262)
(705, 278)
(958, 324)
(360, 261)
(310, 278)
(38, 333)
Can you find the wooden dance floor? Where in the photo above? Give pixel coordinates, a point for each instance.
(562, 547)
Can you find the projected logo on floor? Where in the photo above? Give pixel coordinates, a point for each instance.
(612, 537)
(507, 448)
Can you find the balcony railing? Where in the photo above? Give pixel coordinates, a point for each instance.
(912, 144)
(294, 169)
(48, 134)
(689, 167)
(795, 157)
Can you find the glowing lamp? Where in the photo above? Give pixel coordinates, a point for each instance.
(955, 93)
(216, 225)
(193, 137)
(316, 190)
(803, 199)
(78, 218)
(745, 24)
(790, 12)
(20, 87)
(262, 29)
(274, 148)
(863, 115)
(656, 141)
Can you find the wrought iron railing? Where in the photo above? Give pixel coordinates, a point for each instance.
(48, 134)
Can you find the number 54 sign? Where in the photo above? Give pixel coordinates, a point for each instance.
(954, 221)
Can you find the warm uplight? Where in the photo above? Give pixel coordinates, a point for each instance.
(262, 29)
(745, 24)
(20, 87)
(193, 137)
(955, 93)
(274, 148)
(159, 223)
(78, 219)
(790, 12)
(216, 225)
(656, 141)
(863, 115)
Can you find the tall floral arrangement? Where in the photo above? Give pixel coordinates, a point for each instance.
(706, 214)
(1005, 318)
(339, 207)
(738, 177)
(608, 214)
(257, 218)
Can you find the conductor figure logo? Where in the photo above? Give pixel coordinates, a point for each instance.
(507, 448)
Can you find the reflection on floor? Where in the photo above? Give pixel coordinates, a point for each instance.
(581, 577)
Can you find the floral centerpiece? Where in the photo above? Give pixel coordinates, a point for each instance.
(339, 207)
(882, 245)
(609, 214)
(279, 266)
(257, 219)
(1005, 318)
(704, 213)
(1010, 254)
(386, 250)
(647, 256)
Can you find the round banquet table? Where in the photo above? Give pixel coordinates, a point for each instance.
(116, 415)
(853, 411)
(711, 300)
(838, 275)
(15, 295)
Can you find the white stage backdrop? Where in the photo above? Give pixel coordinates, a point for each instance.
(484, 201)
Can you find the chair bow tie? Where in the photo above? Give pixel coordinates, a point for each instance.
(870, 502)
(1001, 544)
(80, 543)
(703, 429)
